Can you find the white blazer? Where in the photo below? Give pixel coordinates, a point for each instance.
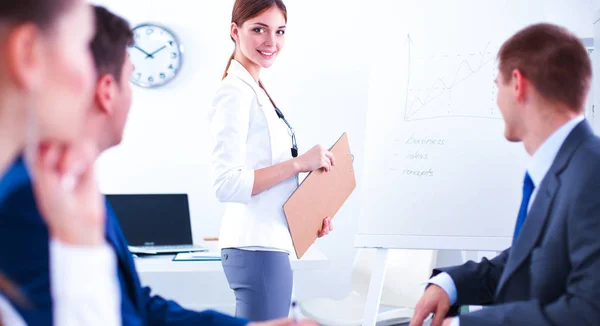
(248, 135)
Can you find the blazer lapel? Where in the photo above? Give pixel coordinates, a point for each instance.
(237, 69)
(542, 206)
(125, 262)
(532, 228)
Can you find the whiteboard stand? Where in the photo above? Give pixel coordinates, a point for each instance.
(375, 287)
(470, 255)
(378, 279)
(473, 249)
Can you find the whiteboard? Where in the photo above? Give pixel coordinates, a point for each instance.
(438, 172)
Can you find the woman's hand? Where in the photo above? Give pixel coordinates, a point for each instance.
(327, 227)
(67, 194)
(316, 158)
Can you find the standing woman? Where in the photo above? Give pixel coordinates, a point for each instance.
(46, 81)
(255, 167)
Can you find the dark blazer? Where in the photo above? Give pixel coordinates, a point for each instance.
(24, 259)
(551, 276)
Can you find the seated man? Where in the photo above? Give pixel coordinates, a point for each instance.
(24, 231)
(550, 274)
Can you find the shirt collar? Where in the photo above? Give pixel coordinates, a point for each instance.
(542, 159)
(238, 70)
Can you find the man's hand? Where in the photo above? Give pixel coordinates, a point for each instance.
(285, 322)
(435, 300)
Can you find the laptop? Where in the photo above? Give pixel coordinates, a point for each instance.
(155, 223)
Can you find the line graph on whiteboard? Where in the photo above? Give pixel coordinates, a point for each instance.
(450, 85)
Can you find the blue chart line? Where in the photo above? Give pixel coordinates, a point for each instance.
(426, 102)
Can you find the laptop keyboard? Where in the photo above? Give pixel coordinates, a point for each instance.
(166, 249)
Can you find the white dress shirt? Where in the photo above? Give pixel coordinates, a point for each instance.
(85, 287)
(539, 165)
(8, 316)
(247, 135)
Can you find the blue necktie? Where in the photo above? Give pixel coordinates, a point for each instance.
(527, 191)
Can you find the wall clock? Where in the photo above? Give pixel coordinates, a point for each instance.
(157, 55)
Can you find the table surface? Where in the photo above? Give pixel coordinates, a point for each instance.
(314, 259)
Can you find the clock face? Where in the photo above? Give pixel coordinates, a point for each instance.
(156, 55)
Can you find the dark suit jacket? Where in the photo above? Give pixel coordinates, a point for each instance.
(25, 260)
(551, 276)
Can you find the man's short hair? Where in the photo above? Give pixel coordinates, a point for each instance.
(553, 60)
(109, 46)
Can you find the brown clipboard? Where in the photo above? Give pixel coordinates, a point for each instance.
(320, 195)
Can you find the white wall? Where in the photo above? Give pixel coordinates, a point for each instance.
(320, 83)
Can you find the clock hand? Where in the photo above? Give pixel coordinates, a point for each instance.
(146, 53)
(151, 55)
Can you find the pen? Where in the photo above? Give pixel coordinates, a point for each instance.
(295, 311)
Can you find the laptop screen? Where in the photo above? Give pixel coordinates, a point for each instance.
(153, 219)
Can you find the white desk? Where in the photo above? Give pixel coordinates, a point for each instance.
(312, 260)
(201, 285)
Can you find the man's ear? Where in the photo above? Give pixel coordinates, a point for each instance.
(106, 89)
(25, 56)
(520, 85)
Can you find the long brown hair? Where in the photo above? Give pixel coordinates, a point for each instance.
(244, 10)
(42, 13)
